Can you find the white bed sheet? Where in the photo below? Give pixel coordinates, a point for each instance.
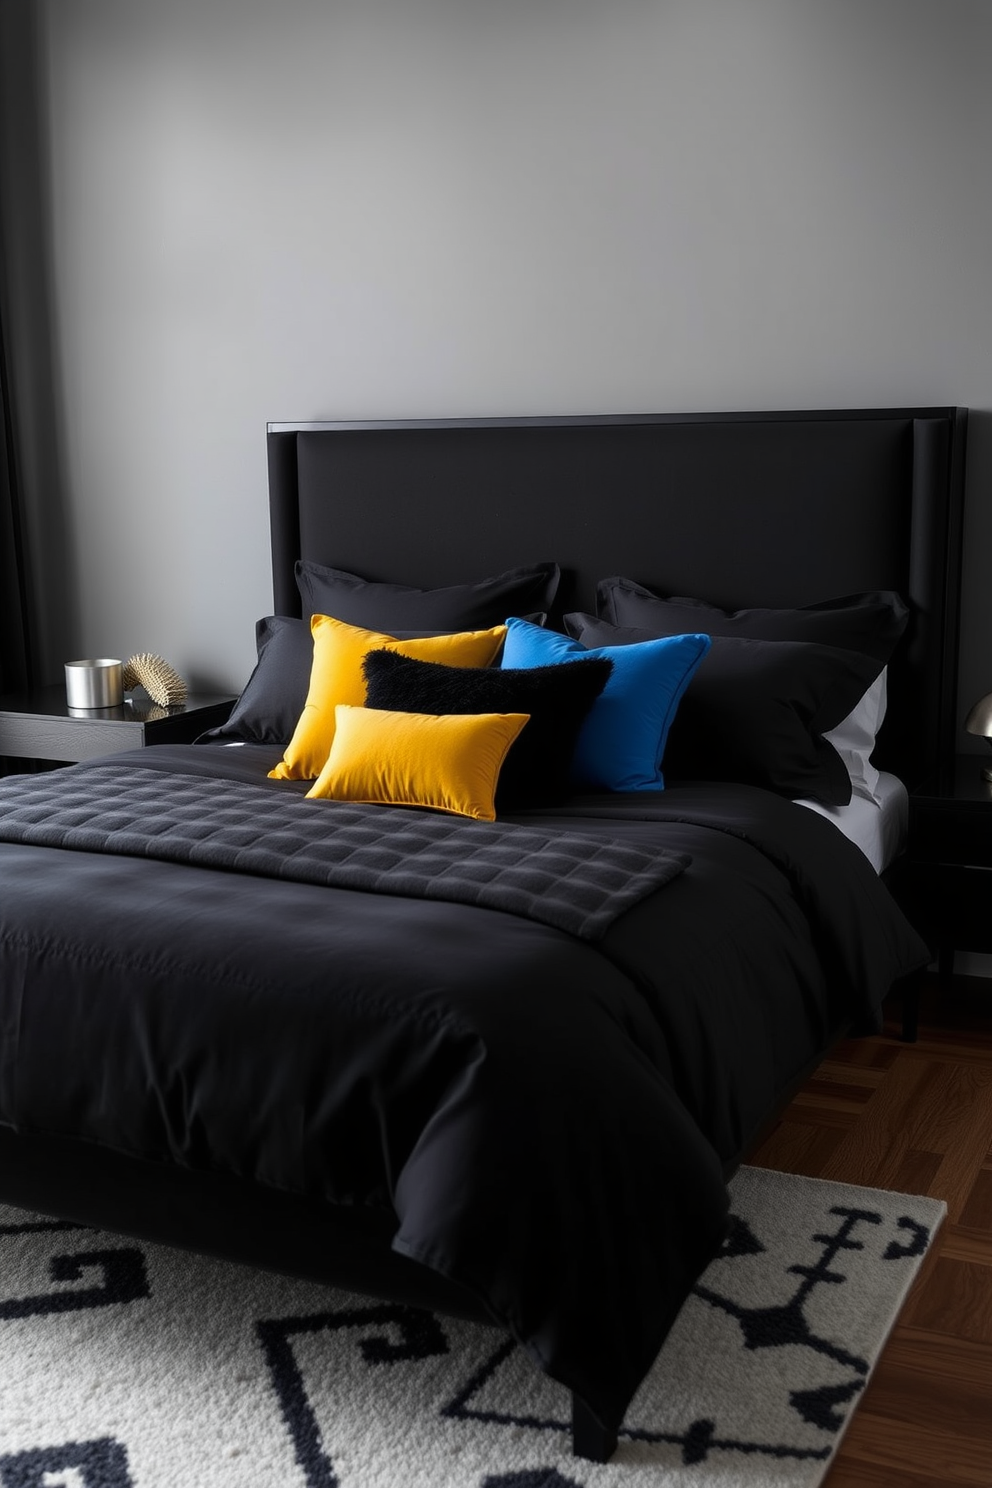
(879, 830)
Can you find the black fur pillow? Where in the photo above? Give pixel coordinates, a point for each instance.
(557, 698)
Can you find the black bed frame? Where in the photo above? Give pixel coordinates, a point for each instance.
(739, 509)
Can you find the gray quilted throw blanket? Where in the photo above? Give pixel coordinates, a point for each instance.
(574, 882)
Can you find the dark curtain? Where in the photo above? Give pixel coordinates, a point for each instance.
(14, 664)
(20, 326)
(14, 638)
(37, 592)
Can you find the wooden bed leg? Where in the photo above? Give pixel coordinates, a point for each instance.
(590, 1438)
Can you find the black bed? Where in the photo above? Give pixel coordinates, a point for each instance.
(434, 1099)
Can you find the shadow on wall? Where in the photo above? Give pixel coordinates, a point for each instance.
(29, 311)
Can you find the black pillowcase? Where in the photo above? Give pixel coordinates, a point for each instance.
(274, 696)
(387, 607)
(272, 699)
(557, 698)
(756, 711)
(872, 623)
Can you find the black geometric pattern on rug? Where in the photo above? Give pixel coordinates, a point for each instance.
(774, 1327)
(124, 1276)
(919, 1239)
(459, 1409)
(388, 1334)
(40, 1227)
(762, 1327)
(124, 1280)
(421, 1336)
(787, 1324)
(538, 1477)
(96, 1464)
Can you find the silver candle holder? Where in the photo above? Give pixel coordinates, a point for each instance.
(94, 683)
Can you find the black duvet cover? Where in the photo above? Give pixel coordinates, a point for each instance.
(550, 1120)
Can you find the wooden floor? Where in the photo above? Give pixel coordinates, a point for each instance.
(916, 1118)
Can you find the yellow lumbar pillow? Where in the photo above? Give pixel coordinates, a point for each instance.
(336, 677)
(450, 762)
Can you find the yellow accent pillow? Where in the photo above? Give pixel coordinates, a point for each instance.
(449, 761)
(336, 677)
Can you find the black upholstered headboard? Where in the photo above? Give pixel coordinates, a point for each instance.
(739, 509)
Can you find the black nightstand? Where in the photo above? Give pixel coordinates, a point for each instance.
(39, 725)
(948, 866)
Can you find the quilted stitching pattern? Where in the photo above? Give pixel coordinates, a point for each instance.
(577, 883)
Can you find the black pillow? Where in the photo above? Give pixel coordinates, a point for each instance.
(756, 711)
(536, 769)
(871, 623)
(478, 606)
(272, 700)
(274, 696)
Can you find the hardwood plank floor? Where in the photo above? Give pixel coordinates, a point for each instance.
(916, 1118)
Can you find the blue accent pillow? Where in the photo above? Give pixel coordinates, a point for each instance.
(622, 741)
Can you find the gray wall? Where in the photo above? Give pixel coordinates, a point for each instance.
(289, 209)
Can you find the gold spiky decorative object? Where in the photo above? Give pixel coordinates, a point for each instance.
(162, 682)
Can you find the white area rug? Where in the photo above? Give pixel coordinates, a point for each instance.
(127, 1365)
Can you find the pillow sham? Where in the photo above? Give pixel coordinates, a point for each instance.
(272, 699)
(622, 740)
(411, 759)
(872, 622)
(556, 699)
(388, 607)
(336, 677)
(275, 694)
(756, 711)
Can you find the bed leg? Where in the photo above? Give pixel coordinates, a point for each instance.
(590, 1438)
